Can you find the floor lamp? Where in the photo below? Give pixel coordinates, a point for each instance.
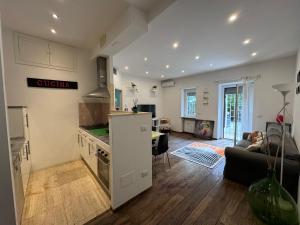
(284, 89)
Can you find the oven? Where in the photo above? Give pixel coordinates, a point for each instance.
(104, 169)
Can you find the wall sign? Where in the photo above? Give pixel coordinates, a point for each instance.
(43, 83)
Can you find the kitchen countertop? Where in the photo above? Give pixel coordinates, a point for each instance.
(102, 138)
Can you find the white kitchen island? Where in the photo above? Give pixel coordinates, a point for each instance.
(128, 155)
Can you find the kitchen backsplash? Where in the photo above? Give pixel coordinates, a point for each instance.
(91, 114)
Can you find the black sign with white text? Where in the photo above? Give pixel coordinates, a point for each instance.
(44, 83)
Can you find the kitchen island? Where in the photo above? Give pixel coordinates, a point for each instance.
(119, 156)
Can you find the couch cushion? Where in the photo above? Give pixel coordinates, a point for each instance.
(244, 143)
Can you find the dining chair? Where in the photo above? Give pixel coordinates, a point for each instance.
(161, 148)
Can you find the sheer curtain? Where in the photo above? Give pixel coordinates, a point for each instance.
(247, 109)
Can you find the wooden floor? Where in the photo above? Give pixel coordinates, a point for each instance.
(187, 193)
(63, 195)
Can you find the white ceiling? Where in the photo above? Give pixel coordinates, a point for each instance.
(201, 28)
(81, 22)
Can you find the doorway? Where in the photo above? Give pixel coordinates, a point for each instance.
(233, 105)
(235, 109)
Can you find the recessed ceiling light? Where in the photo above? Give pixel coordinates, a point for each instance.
(211, 65)
(247, 41)
(197, 57)
(162, 76)
(175, 45)
(147, 72)
(53, 31)
(55, 16)
(145, 59)
(167, 66)
(233, 17)
(253, 54)
(182, 71)
(126, 68)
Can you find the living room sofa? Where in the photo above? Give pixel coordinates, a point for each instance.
(249, 166)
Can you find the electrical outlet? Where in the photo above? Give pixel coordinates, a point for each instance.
(143, 128)
(144, 173)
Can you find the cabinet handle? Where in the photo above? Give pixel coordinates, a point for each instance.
(89, 148)
(27, 124)
(29, 151)
(26, 151)
(78, 139)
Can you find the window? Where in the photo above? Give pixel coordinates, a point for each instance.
(189, 99)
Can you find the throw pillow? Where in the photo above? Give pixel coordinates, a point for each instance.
(256, 147)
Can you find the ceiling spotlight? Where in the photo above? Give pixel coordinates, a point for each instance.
(182, 71)
(162, 76)
(145, 59)
(253, 54)
(126, 68)
(197, 57)
(53, 31)
(247, 41)
(54, 16)
(175, 45)
(147, 72)
(167, 66)
(233, 17)
(211, 65)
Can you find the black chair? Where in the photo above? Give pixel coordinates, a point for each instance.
(161, 148)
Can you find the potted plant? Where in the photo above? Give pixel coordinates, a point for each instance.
(268, 199)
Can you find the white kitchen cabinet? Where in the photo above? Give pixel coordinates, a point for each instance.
(25, 165)
(19, 128)
(39, 52)
(92, 158)
(87, 145)
(30, 50)
(62, 56)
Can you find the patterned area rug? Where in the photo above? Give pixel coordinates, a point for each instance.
(201, 153)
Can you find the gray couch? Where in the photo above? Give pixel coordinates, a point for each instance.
(247, 167)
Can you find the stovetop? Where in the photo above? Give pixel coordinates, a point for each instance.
(100, 132)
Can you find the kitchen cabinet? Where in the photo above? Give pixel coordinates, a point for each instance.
(92, 158)
(88, 149)
(19, 128)
(25, 164)
(62, 57)
(32, 50)
(38, 52)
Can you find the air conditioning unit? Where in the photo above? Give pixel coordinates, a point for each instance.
(168, 83)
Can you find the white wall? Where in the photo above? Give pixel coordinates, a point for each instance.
(7, 212)
(145, 95)
(267, 102)
(53, 113)
(296, 128)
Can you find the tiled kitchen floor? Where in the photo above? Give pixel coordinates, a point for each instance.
(63, 195)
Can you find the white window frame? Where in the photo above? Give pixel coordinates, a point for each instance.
(184, 102)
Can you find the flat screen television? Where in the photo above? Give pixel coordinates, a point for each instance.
(147, 108)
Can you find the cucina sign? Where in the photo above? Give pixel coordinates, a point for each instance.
(44, 83)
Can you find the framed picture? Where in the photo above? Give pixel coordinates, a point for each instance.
(298, 77)
(204, 129)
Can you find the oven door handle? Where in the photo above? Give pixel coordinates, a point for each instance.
(102, 160)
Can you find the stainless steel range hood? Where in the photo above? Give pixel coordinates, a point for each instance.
(102, 90)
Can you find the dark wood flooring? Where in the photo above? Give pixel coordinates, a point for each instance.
(187, 193)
